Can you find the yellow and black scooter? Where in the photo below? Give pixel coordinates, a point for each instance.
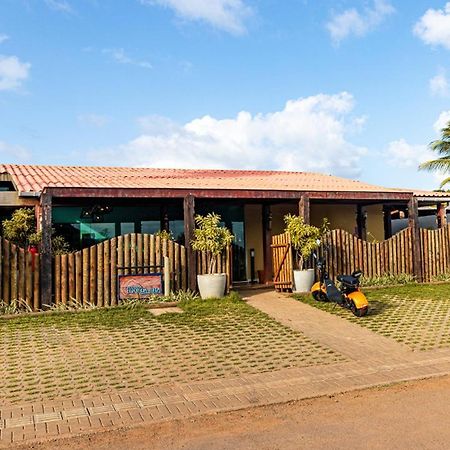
(348, 295)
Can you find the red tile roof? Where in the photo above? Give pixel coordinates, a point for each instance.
(34, 178)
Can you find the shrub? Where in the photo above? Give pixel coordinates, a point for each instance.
(388, 280)
(211, 237)
(304, 237)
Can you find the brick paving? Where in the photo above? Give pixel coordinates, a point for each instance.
(371, 360)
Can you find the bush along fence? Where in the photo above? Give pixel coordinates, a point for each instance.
(90, 276)
(395, 256)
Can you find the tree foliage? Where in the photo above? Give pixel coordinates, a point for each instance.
(21, 230)
(20, 227)
(211, 237)
(442, 148)
(304, 237)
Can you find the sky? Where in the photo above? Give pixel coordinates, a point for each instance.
(352, 88)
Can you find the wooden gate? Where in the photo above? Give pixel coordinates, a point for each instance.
(90, 275)
(282, 262)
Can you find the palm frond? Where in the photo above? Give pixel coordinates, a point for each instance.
(442, 147)
(441, 164)
(444, 182)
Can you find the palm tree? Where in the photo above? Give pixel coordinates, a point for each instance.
(442, 148)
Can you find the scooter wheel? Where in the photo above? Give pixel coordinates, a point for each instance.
(358, 312)
(319, 296)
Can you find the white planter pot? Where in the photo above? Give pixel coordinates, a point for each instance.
(303, 280)
(212, 286)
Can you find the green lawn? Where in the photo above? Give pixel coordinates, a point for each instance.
(417, 315)
(68, 354)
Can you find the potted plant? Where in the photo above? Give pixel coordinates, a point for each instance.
(304, 240)
(211, 237)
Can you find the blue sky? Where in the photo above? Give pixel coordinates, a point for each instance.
(353, 88)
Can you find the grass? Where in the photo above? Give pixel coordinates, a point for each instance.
(102, 350)
(417, 315)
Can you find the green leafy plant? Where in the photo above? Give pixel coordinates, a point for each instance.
(388, 280)
(21, 230)
(20, 227)
(211, 237)
(164, 234)
(14, 307)
(304, 237)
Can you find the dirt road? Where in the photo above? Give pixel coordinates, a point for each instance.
(409, 415)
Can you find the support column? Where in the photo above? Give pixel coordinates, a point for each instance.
(267, 241)
(46, 249)
(387, 221)
(413, 222)
(189, 226)
(304, 208)
(441, 215)
(361, 222)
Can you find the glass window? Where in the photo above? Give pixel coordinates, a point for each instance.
(150, 226)
(127, 227)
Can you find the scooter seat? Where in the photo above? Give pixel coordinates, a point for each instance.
(348, 279)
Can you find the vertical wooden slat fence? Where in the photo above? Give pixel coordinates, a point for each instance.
(345, 253)
(90, 275)
(19, 275)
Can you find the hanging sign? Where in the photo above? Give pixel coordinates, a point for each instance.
(140, 286)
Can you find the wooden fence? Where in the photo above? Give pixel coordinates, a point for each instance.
(346, 253)
(19, 275)
(90, 275)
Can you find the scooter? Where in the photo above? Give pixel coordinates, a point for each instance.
(348, 295)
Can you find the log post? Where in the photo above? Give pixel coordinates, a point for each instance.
(387, 220)
(413, 222)
(189, 225)
(304, 208)
(441, 215)
(46, 265)
(361, 222)
(267, 241)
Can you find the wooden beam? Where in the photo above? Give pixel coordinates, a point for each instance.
(413, 222)
(304, 208)
(46, 250)
(267, 242)
(12, 199)
(441, 215)
(59, 192)
(189, 226)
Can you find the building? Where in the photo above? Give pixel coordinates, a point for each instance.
(91, 204)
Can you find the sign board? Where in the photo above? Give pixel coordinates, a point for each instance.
(140, 286)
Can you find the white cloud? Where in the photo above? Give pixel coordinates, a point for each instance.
(353, 22)
(60, 5)
(442, 121)
(13, 152)
(227, 15)
(93, 120)
(439, 85)
(119, 55)
(3, 38)
(310, 134)
(434, 27)
(12, 72)
(402, 154)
